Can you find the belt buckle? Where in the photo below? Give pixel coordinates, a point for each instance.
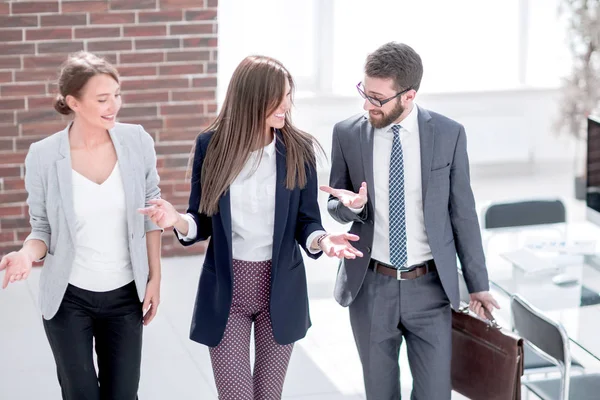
(399, 272)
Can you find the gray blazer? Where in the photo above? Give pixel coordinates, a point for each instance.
(448, 205)
(52, 216)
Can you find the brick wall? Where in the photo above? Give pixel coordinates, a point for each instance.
(166, 52)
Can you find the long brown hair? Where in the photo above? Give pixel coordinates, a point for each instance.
(256, 89)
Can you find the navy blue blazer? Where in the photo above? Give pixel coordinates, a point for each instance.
(296, 217)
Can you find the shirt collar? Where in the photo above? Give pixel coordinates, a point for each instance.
(410, 123)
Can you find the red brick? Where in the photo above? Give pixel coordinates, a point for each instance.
(6, 76)
(21, 236)
(193, 95)
(13, 184)
(153, 84)
(63, 20)
(48, 34)
(135, 70)
(25, 117)
(6, 144)
(165, 4)
(9, 171)
(17, 48)
(212, 3)
(12, 197)
(40, 102)
(9, 130)
(110, 45)
(167, 175)
(13, 158)
(202, 55)
(141, 58)
(160, 16)
(201, 15)
(12, 223)
(180, 162)
(44, 129)
(23, 143)
(4, 8)
(132, 5)
(93, 33)
(186, 122)
(175, 109)
(59, 47)
(112, 18)
(12, 104)
(148, 44)
(148, 30)
(138, 111)
(45, 61)
(211, 108)
(11, 35)
(36, 75)
(211, 68)
(35, 7)
(174, 135)
(200, 42)
(205, 82)
(22, 89)
(18, 21)
(184, 69)
(10, 62)
(193, 29)
(146, 97)
(7, 237)
(84, 6)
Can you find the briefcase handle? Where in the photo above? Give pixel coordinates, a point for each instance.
(489, 318)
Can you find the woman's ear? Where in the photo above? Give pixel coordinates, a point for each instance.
(72, 102)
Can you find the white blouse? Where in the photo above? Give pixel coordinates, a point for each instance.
(102, 261)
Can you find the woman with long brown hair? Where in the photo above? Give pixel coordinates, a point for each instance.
(254, 193)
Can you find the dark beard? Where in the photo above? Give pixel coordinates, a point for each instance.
(388, 118)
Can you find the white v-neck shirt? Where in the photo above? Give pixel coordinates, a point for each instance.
(102, 261)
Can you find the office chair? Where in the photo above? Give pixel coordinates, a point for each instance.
(550, 340)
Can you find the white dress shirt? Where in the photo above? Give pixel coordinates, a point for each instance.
(102, 261)
(252, 196)
(418, 249)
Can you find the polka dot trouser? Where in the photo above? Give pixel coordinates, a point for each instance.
(231, 357)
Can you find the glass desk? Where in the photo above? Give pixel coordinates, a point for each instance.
(565, 286)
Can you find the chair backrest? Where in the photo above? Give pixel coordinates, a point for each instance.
(524, 213)
(547, 335)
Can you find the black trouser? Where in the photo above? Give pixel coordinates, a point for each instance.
(114, 320)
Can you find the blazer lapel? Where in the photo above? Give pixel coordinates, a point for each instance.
(367, 133)
(127, 169)
(225, 218)
(282, 198)
(427, 141)
(64, 173)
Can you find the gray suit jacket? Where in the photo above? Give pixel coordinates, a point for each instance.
(448, 205)
(52, 215)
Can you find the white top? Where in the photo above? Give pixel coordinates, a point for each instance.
(418, 249)
(252, 196)
(102, 261)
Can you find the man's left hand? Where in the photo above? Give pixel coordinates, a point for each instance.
(482, 301)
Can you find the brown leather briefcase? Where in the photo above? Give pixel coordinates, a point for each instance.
(487, 361)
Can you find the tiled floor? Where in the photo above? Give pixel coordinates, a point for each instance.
(324, 365)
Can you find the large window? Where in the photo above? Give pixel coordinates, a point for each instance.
(466, 45)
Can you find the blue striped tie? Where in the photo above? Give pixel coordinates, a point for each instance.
(398, 255)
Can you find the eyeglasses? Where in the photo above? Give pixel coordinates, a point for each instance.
(377, 102)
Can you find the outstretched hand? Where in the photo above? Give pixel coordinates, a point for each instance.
(348, 198)
(338, 245)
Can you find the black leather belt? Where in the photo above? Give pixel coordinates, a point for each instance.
(412, 272)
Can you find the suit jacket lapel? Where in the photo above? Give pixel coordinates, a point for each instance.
(64, 173)
(225, 217)
(127, 169)
(367, 133)
(282, 197)
(427, 141)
